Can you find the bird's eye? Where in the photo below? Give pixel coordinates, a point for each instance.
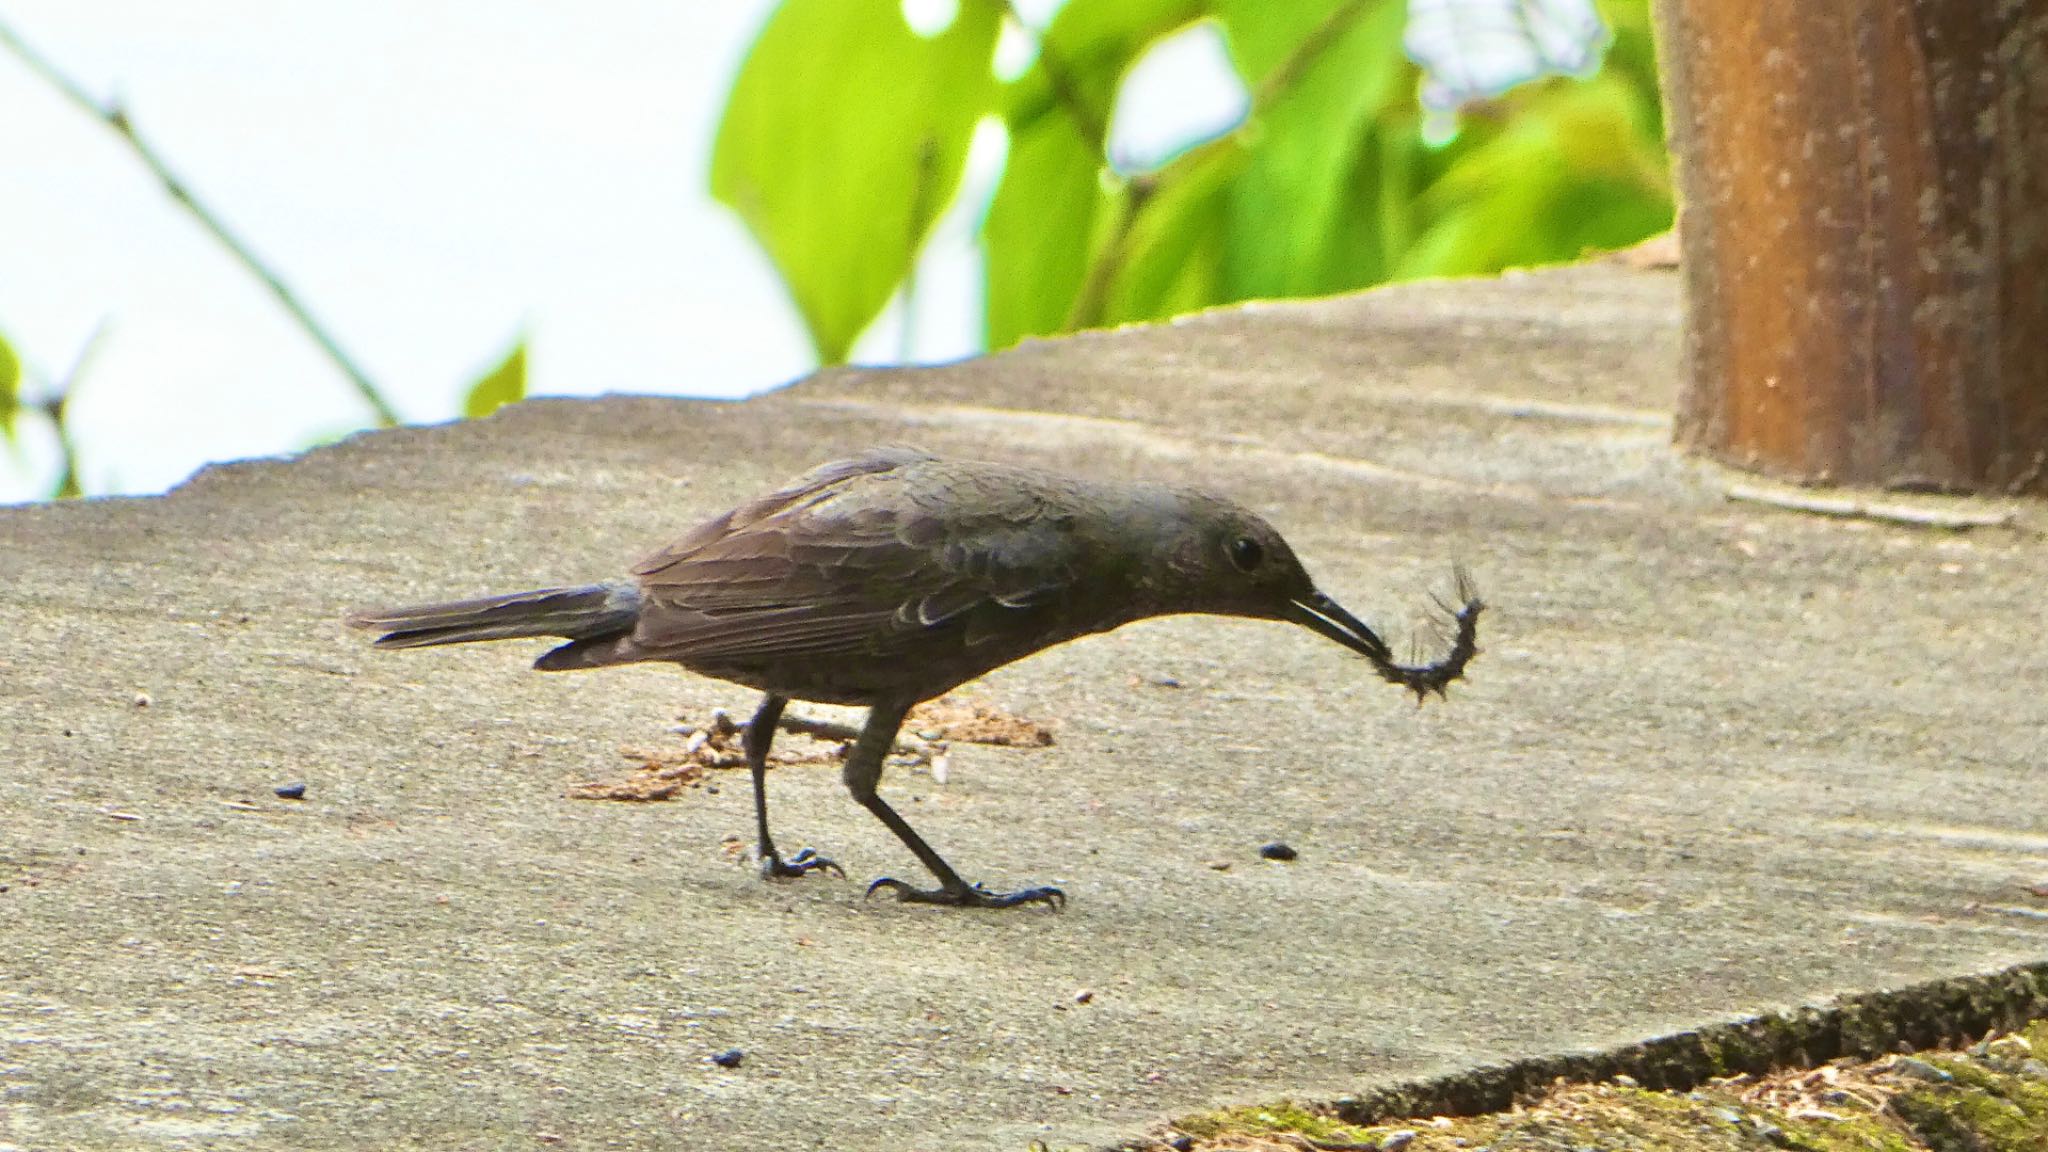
(1247, 553)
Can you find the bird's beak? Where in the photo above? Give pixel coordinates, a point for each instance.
(1322, 614)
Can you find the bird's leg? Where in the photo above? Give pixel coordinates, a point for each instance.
(759, 734)
(864, 772)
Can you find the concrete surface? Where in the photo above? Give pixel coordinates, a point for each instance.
(1715, 758)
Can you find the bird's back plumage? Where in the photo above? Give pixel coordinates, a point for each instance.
(892, 575)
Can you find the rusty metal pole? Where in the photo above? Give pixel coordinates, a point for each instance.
(1864, 212)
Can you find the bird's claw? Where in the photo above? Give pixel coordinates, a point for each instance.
(804, 862)
(975, 897)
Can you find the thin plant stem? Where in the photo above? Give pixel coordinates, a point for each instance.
(1094, 125)
(1320, 39)
(1091, 301)
(58, 406)
(116, 118)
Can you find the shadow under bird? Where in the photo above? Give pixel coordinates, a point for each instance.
(895, 576)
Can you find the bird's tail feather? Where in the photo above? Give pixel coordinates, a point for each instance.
(591, 611)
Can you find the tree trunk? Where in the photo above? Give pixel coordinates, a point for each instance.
(1864, 215)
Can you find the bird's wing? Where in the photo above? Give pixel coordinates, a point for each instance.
(856, 559)
(812, 485)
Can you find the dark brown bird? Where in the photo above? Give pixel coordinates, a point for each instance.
(893, 577)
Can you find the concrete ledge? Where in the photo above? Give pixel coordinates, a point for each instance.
(1715, 759)
(1956, 1011)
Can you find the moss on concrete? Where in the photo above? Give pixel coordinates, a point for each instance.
(1988, 1097)
(1922, 1016)
(1283, 1117)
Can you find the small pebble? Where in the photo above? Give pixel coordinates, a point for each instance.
(1180, 1142)
(1920, 1070)
(730, 1058)
(1084, 995)
(1396, 1141)
(1626, 1080)
(296, 790)
(1220, 865)
(142, 700)
(1278, 850)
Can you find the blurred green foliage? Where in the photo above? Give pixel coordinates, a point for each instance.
(10, 390)
(843, 139)
(502, 385)
(846, 134)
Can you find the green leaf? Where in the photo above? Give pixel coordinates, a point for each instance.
(843, 140)
(10, 390)
(1302, 190)
(1573, 167)
(502, 385)
(1632, 59)
(1482, 238)
(1392, 173)
(1090, 44)
(1172, 255)
(1040, 230)
(1057, 203)
(1553, 168)
(1264, 35)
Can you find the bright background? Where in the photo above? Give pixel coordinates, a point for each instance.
(434, 179)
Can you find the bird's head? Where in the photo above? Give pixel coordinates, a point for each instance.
(1228, 560)
(1197, 552)
(1225, 559)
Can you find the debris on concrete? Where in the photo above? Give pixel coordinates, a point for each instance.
(716, 744)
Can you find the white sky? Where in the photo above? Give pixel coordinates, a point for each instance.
(434, 177)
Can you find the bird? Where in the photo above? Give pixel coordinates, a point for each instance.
(891, 577)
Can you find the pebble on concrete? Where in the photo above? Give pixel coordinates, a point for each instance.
(1921, 1070)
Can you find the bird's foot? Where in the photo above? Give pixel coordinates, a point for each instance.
(803, 863)
(965, 897)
